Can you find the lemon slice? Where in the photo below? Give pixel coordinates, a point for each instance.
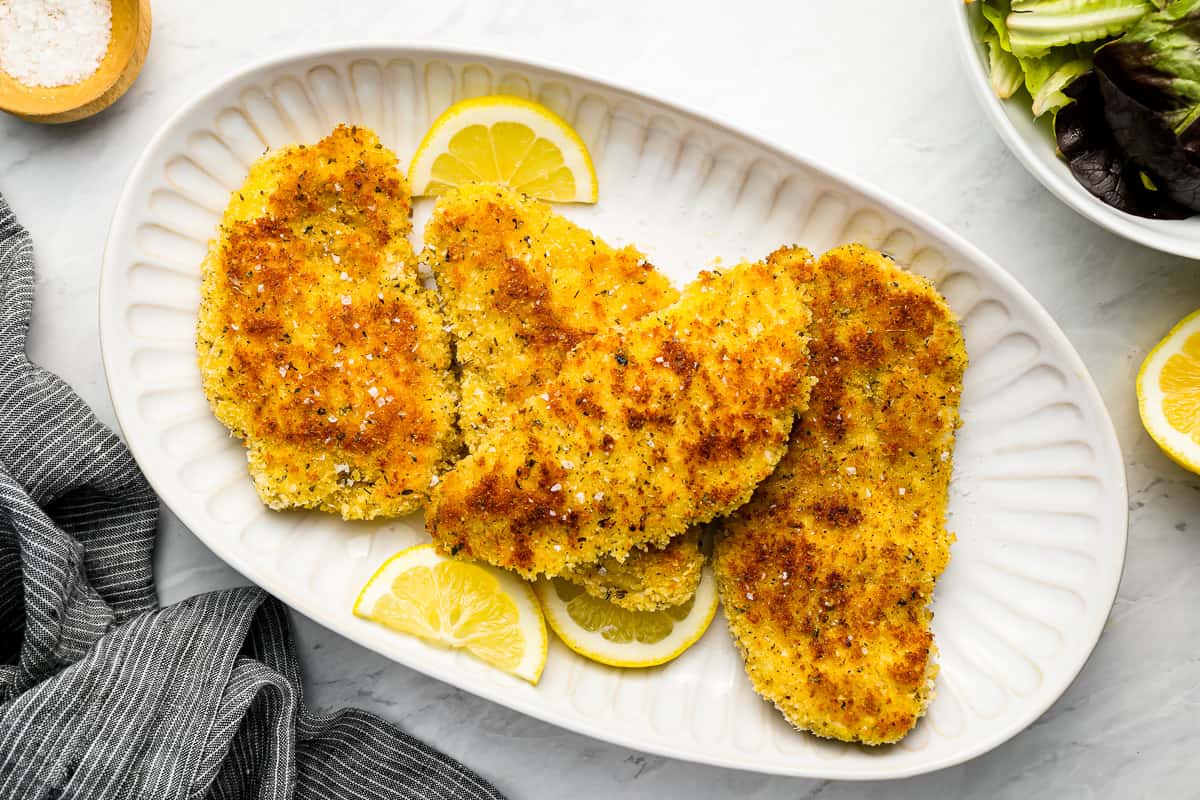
(1168, 389)
(507, 140)
(604, 632)
(491, 614)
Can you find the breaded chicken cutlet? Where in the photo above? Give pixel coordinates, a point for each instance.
(826, 575)
(317, 344)
(644, 432)
(521, 287)
(650, 578)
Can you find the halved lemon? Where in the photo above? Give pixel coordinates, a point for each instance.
(1168, 389)
(507, 140)
(490, 613)
(604, 632)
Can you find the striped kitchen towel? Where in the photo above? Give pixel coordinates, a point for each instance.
(105, 695)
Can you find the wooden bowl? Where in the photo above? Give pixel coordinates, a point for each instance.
(116, 73)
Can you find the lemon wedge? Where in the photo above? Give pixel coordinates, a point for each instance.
(604, 632)
(507, 140)
(491, 614)
(1168, 390)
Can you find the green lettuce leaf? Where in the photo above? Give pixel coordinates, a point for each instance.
(1046, 77)
(996, 12)
(1036, 26)
(1004, 69)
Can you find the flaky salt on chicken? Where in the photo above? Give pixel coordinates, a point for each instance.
(522, 286)
(318, 346)
(644, 431)
(826, 575)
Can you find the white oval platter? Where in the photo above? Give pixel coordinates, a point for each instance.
(1038, 498)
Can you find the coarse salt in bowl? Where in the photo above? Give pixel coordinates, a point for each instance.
(63, 60)
(54, 42)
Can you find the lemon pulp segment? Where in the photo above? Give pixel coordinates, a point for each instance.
(1168, 392)
(490, 614)
(616, 624)
(603, 631)
(1180, 384)
(506, 140)
(508, 153)
(458, 605)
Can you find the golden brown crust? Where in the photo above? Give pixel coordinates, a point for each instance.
(827, 573)
(644, 431)
(521, 287)
(648, 579)
(317, 344)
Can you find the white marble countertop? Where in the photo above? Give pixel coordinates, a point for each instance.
(871, 88)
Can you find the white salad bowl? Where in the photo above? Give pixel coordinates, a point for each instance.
(1032, 142)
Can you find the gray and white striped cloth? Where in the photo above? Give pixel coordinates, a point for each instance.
(105, 695)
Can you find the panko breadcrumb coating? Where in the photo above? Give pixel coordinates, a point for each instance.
(827, 574)
(644, 432)
(649, 579)
(521, 286)
(317, 344)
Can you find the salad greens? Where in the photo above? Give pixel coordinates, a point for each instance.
(1004, 70)
(1122, 80)
(1097, 161)
(1036, 26)
(1050, 42)
(1047, 76)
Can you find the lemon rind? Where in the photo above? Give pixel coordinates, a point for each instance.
(554, 610)
(533, 663)
(576, 155)
(1173, 442)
